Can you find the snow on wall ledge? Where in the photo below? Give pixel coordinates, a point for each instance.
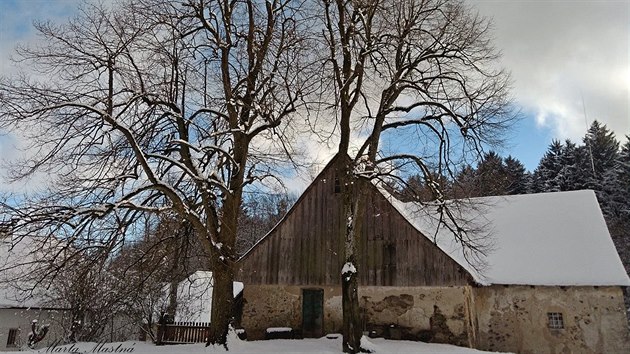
(552, 239)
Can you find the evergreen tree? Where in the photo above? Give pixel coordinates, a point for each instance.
(573, 174)
(518, 179)
(465, 184)
(603, 149)
(494, 175)
(415, 188)
(623, 177)
(260, 212)
(618, 214)
(614, 189)
(545, 178)
(491, 176)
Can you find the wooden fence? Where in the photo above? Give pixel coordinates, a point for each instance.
(183, 332)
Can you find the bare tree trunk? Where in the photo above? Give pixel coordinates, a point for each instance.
(222, 312)
(341, 22)
(351, 313)
(351, 321)
(353, 203)
(222, 303)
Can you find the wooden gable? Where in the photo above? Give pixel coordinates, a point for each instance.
(306, 247)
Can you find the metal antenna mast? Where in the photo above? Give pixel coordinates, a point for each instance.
(590, 150)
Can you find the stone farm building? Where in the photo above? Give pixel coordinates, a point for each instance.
(552, 281)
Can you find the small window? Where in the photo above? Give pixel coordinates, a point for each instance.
(12, 338)
(337, 185)
(555, 320)
(389, 263)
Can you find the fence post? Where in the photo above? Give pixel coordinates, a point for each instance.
(161, 328)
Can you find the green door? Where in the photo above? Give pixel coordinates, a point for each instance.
(312, 313)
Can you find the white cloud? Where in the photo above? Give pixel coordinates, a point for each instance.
(561, 51)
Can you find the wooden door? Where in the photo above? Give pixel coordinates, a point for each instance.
(312, 313)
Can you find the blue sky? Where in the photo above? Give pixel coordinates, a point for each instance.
(16, 16)
(528, 141)
(559, 52)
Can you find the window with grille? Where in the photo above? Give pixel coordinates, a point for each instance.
(555, 320)
(12, 338)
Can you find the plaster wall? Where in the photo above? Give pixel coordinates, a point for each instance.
(436, 314)
(514, 318)
(21, 319)
(430, 314)
(266, 306)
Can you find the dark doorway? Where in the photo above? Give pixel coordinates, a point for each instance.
(312, 313)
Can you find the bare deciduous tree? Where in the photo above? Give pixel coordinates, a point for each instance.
(424, 69)
(152, 107)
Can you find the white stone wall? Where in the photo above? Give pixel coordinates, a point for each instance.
(514, 318)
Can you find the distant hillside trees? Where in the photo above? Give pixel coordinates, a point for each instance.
(493, 175)
(259, 214)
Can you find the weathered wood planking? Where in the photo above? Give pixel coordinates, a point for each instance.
(306, 247)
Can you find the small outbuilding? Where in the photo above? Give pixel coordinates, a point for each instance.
(550, 282)
(17, 311)
(194, 297)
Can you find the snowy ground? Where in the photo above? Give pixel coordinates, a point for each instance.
(322, 345)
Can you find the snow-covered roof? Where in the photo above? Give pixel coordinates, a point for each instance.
(17, 258)
(535, 239)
